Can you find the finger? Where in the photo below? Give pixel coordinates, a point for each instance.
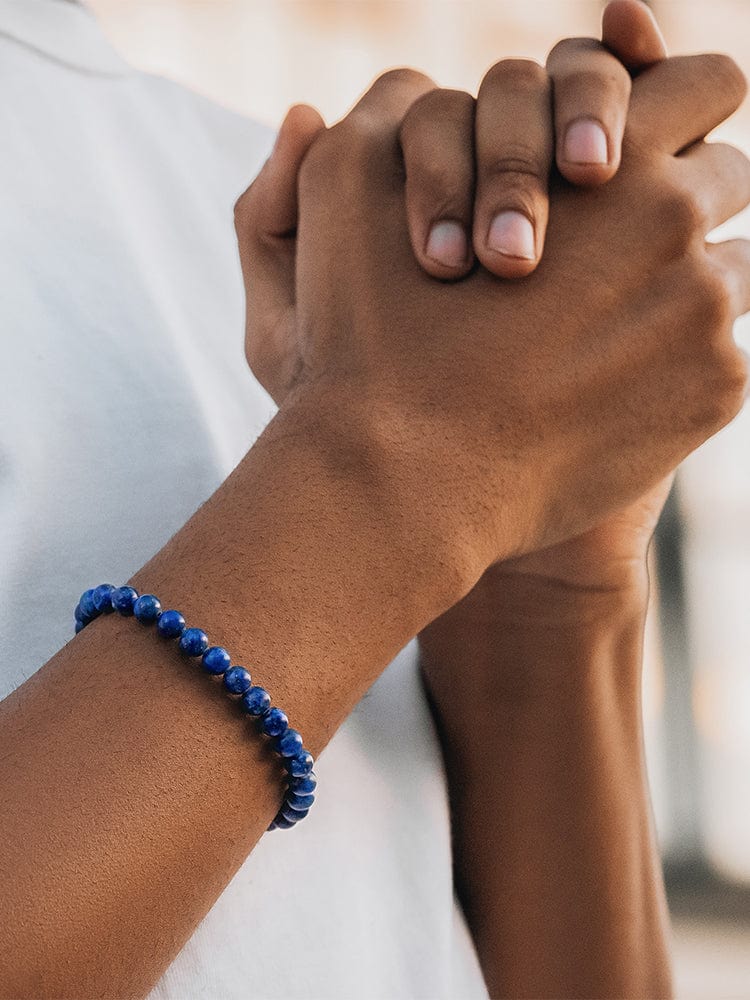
(276, 186)
(266, 218)
(591, 94)
(513, 135)
(385, 104)
(630, 31)
(437, 142)
(733, 259)
(719, 177)
(679, 101)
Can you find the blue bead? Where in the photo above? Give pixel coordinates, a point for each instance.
(271, 825)
(300, 803)
(303, 786)
(102, 599)
(216, 660)
(194, 642)
(256, 701)
(86, 603)
(80, 626)
(123, 600)
(292, 815)
(300, 765)
(237, 680)
(283, 823)
(275, 722)
(289, 743)
(80, 616)
(170, 624)
(147, 609)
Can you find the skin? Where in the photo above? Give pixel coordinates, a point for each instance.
(373, 503)
(590, 81)
(550, 642)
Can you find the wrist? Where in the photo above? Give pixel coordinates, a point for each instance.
(506, 599)
(430, 532)
(511, 644)
(531, 692)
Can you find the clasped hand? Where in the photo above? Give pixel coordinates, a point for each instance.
(535, 349)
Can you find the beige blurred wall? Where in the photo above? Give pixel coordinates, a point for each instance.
(260, 56)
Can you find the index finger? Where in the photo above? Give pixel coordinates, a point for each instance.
(592, 88)
(630, 32)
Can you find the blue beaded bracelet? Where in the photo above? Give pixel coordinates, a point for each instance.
(193, 642)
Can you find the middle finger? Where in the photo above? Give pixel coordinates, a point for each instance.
(514, 150)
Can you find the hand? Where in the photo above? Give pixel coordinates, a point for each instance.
(604, 570)
(512, 125)
(607, 566)
(545, 404)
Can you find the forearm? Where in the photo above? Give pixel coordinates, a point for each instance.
(132, 789)
(555, 858)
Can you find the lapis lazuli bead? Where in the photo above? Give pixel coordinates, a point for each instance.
(147, 609)
(216, 660)
(300, 803)
(271, 825)
(292, 814)
(80, 616)
(303, 786)
(194, 642)
(275, 722)
(80, 626)
(256, 701)
(237, 680)
(289, 743)
(102, 599)
(283, 823)
(171, 624)
(86, 603)
(300, 765)
(123, 599)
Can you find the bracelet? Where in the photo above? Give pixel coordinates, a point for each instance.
(193, 642)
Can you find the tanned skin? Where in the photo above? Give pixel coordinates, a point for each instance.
(382, 492)
(535, 677)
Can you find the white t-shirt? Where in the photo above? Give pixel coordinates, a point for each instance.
(125, 402)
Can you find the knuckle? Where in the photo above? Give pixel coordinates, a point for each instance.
(435, 108)
(681, 217)
(729, 383)
(402, 76)
(520, 74)
(736, 376)
(610, 81)
(723, 68)
(712, 301)
(357, 133)
(324, 157)
(521, 165)
(570, 50)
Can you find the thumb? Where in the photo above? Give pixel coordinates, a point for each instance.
(630, 31)
(266, 214)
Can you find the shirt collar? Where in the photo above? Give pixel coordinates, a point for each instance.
(63, 30)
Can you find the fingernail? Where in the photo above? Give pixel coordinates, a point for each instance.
(586, 143)
(447, 244)
(512, 234)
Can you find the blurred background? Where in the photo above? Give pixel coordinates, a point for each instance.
(260, 56)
